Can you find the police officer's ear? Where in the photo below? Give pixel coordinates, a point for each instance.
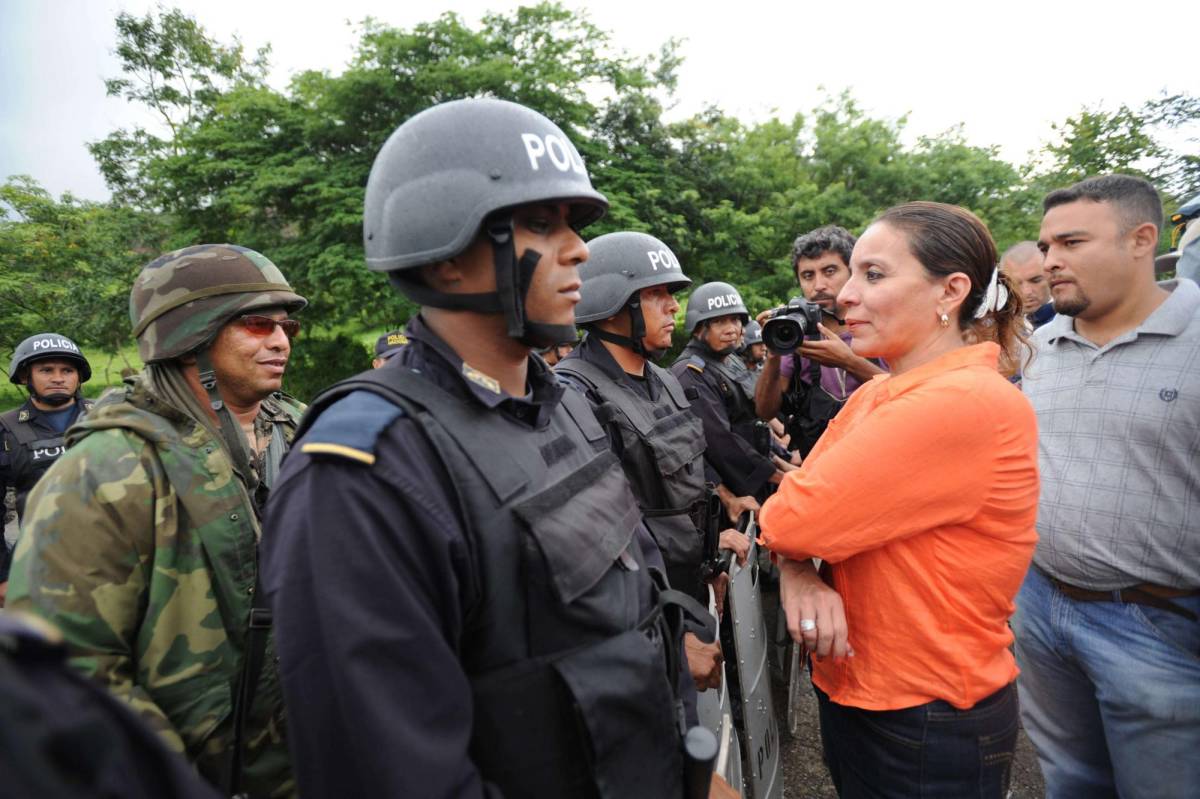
(471, 271)
(442, 275)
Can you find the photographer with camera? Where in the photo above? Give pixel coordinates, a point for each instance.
(811, 371)
(723, 397)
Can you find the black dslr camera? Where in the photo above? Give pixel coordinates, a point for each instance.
(786, 327)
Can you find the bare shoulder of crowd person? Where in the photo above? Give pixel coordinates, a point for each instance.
(465, 596)
(1108, 622)
(63, 735)
(139, 543)
(808, 386)
(53, 370)
(920, 498)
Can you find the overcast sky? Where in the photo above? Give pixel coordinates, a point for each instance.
(1006, 70)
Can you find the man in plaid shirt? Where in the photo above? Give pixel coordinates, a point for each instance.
(1108, 620)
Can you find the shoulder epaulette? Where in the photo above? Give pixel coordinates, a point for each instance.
(350, 427)
(697, 363)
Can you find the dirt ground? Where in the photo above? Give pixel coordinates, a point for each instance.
(804, 773)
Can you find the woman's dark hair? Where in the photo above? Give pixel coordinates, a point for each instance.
(948, 239)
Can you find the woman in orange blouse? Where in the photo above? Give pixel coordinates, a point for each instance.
(920, 498)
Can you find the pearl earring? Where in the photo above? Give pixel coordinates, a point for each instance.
(944, 319)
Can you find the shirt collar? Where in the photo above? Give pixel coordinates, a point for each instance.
(464, 378)
(594, 352)
(986, 354)
(1169, 319)
(33, 413)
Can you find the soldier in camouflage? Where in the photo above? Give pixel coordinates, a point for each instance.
(140, 543)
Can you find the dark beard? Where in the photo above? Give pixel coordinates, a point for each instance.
(1073, 306)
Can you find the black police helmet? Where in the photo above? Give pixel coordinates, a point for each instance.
(619, 266)
(457, 169)
(713, 300)
(44, 346)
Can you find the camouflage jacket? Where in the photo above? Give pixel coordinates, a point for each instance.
(140, 547)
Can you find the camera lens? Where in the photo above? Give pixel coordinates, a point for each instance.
(783, 334)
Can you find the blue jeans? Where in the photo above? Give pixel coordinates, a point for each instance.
(932, 750)
(1110, 694)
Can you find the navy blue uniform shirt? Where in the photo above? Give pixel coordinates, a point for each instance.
(368, 570)
(742, 469)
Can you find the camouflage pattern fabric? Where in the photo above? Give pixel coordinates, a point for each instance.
(139, 544)
(181, 299)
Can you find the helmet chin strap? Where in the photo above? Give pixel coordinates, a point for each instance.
(721, 353)
(513, 278)
(56, 400)
(636, 340)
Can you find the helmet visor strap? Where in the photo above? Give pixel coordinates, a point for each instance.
(56, 400)
(510, 286)
(636, 341)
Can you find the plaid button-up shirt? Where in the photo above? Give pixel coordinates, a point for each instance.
(1119, 449)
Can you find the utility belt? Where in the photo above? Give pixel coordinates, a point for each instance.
(1149, 594)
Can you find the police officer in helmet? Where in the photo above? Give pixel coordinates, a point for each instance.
(52, 368)
(628, 310)
(725, 394)
(448, 624)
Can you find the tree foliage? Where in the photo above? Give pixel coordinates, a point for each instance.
(233, 159)
(68, 265)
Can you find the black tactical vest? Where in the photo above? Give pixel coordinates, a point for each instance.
(564, 647)
(39, 448)
(736, 388)
(663, 456)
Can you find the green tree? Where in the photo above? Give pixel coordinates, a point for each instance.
(68, 265)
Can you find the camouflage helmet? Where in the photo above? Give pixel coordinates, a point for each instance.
(182, 299)
(42, 346)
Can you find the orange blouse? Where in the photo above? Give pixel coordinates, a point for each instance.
(922, 495)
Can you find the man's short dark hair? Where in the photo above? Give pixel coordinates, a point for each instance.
(829, 238)
(1135, 200)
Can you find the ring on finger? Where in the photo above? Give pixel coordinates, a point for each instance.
(807, 625)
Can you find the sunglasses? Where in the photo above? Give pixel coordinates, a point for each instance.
(265, 325)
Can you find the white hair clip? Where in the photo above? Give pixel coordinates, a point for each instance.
(994, 298)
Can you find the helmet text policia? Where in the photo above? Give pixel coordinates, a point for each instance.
(456, 170)
(713, 300)
(619, 266)
(45, 346)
